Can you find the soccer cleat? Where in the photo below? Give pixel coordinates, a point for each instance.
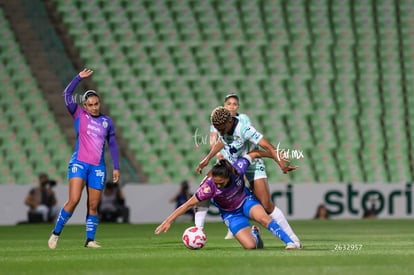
(293, 246)
(298, 245)
(92, 244)
(229, 235)
(256, 232)
(296, 240)
(52, 243)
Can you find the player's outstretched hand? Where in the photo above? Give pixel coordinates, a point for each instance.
(289, 168)
(162, 228)
(201, 165)
(85, 73)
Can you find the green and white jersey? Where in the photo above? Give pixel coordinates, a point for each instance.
(241, 140)
(242, 117)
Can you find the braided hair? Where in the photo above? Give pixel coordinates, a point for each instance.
(223, 168)
(219, 116)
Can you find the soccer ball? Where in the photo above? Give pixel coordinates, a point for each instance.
(194, 238)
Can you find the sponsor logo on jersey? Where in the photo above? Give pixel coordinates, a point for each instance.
(206, 190)
(239, 182)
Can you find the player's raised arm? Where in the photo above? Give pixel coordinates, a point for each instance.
(270, 149)
(214, 138)
(70, 102)
(213, 152)
(85, 73)
(259, 154)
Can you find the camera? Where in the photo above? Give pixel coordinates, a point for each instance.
(51, 183)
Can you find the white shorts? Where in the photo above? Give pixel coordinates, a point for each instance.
(256, 170)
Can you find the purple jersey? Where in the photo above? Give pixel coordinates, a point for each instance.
(91, 132)
(230, 197)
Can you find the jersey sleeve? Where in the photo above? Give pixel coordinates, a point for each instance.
(242, 164)
(213, 129)
(245, 118)
(206, 190)
(70, 101)
(113, 145)
(251, 134)
(215, 139)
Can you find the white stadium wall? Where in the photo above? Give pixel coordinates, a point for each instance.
(150, 203)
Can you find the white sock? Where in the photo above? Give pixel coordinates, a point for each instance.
(200, 216)
(278, 216)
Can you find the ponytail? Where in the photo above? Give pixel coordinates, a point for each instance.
(223, 168)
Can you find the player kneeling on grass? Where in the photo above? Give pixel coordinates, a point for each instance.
(236, 203)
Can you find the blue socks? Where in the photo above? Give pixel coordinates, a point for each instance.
(91, 225)
(278, 232)
(61, 221)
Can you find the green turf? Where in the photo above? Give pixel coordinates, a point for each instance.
(331, 247)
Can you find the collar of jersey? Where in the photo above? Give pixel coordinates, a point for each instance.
(236, 121)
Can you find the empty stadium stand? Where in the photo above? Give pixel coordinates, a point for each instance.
(332, 79)
(30, 137)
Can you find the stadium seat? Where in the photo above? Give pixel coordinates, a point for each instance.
(27, 116)
(323, 73)
(319, 20)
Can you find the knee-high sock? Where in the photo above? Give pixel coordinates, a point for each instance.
(91, 225)
(278, 232)
(61, 221)
(277, 215)
(200, 216)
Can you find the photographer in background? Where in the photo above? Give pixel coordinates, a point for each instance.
(112, 205)
(42, 201)
(371, 212)
(180, 198)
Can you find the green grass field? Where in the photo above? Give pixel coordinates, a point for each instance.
(330, 247)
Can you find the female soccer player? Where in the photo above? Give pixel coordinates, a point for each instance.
(237, 137)
(87, 166)
(231, 103)
(235, 202)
